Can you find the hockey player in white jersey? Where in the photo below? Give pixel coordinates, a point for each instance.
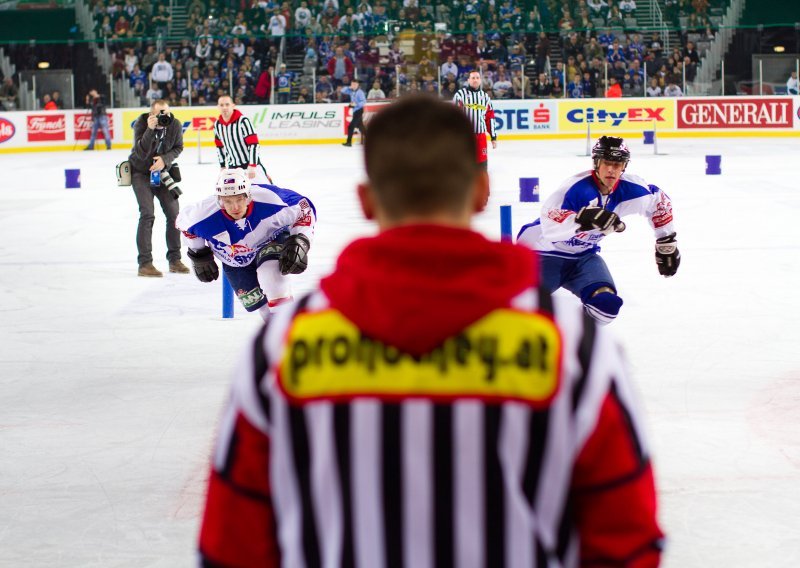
(586, 208)
(260, 233)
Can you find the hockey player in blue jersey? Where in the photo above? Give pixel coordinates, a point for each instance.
(260, 234)
(586, 208)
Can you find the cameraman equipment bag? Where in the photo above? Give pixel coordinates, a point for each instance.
(124, 174)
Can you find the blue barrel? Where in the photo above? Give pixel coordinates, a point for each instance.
(73, 179)
(528, 190)
(649, 136)
(713, 165)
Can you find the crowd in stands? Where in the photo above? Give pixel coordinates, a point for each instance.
(524, 48)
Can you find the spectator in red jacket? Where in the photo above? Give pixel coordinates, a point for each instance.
(614, 90)
(263, 89)
(340, 66)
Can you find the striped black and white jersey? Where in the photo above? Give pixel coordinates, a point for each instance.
(478, 107)
(236, 142)
(346, 470)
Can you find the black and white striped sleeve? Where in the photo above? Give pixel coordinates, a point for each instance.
(218, 144)
(250, 138)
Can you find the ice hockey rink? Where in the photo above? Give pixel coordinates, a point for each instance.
(111, 385)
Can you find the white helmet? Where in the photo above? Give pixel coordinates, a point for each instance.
(233, 181)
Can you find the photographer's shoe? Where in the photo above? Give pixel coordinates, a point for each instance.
(150, 270)
(178, 267)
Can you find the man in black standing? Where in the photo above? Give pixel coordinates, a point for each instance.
(96, 104)
(157, 142)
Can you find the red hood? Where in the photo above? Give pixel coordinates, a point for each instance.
(234, 117)
(413, 287)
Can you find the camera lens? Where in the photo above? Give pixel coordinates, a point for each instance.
(164, 119)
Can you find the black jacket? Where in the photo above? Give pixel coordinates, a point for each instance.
(146, 142)
(98, 107)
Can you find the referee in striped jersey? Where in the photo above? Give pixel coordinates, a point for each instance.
(237, 142)
(430, 405)
(478, 107)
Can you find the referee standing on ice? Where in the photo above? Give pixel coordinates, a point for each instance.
(478, 107)
(357, 102)
(237, 142)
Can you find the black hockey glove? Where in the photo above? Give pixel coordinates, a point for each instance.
(294, 256)
(668, 257)
(589, 218)
(203, 263)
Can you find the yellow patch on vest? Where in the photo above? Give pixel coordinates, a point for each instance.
(506, 355)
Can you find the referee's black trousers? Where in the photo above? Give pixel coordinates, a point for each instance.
(356, 122)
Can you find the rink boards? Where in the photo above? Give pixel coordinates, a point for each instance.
(776, 116)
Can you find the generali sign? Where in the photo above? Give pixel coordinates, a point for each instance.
(762, 112)
(43, 127)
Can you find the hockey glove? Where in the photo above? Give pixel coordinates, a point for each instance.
(668, 257)
(603, 220)
(294, 256)
(203, 263)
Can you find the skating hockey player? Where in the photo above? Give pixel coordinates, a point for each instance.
(585, 209)
(260, 234)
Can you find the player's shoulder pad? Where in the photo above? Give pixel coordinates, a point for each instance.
(639, 181)
(264, 193)
(196, 212)
(579, 182)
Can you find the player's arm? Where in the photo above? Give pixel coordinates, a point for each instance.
(559, 213)
(613, 487)
(659, 213)
(198, 251)
(301, 219)
(238, 527)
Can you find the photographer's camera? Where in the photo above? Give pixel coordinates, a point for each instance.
(164, 119)
(171, 185)
(158, 178)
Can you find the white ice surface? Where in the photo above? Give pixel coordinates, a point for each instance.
(111, 385)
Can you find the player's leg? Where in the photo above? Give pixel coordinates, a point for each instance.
(170, 207)
(144, 231)
(591, 281)
(244, 282)
(275, 285)
(551, 271)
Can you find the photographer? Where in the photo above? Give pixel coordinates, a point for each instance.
(97, 106)
(157, 142)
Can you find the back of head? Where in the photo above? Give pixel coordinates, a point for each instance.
(420, 158)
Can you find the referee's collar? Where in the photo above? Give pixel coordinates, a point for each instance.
(234, 117)
(473, 90)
